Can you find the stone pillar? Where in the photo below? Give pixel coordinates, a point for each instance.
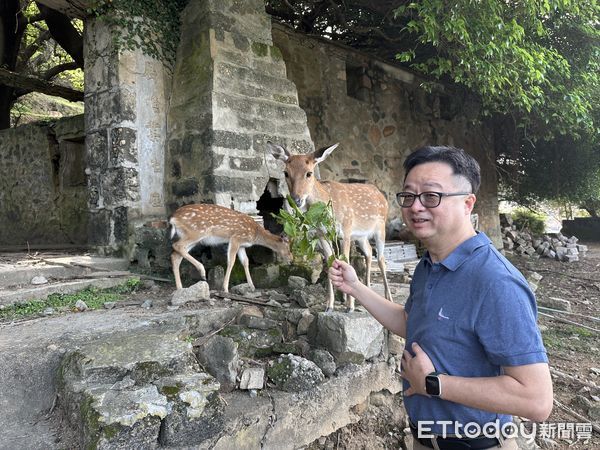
(230, 95)
(125, 120)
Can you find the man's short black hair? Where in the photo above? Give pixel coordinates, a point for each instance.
(461, 162)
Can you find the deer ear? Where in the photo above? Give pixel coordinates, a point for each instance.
(323, 153)
(278, 151)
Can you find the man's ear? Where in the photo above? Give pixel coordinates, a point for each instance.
(278, 151)
(470, 203)
(323, 153)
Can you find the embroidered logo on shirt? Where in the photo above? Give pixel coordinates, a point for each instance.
(441, 314)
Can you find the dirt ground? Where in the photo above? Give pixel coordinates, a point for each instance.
(574, 356)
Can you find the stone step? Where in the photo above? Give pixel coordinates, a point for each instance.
(19, 269)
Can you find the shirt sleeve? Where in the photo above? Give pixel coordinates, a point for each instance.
(506, 325)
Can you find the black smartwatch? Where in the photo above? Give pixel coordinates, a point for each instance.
(433, 384)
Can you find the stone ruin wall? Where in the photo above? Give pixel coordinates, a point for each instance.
(155, 141)
(43, 194)
(379, 114)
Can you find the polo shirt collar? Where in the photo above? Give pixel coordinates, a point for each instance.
(461, 253)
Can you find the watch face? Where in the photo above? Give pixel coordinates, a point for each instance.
(432, 385)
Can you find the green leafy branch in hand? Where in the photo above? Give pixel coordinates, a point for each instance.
(306, 228)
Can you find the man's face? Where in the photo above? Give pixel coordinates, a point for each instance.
(453, 213)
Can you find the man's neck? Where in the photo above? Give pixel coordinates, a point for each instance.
(438, 251)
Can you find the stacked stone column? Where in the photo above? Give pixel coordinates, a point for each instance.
(230, 95)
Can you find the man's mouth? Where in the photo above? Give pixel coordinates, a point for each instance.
(419, 220)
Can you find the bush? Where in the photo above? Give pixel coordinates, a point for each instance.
(528, 220)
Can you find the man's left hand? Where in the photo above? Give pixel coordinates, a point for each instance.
(415, 369)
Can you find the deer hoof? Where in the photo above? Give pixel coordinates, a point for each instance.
(329, 310)
(349, 309)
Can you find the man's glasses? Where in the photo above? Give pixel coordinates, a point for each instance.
(427, 199)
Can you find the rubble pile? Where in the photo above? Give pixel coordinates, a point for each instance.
(554, 245)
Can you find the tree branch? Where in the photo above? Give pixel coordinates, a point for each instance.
(29, 84)
(53, 71)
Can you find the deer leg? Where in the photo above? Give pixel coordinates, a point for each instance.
(232, 249)
(380, 242)
(183, 252)
(175, 263)
(243, 257)
(330, 293)
(346, 243)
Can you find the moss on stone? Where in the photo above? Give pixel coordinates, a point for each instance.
(276, 53)
(260, 49)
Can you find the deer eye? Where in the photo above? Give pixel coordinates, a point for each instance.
(286, 174)
(308, 174)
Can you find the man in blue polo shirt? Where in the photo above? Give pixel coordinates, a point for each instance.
(474, 354)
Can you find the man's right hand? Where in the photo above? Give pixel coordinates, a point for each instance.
(343, 277)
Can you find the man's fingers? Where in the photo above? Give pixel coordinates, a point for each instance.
(406, 355)
(416, 348)
(410, 391)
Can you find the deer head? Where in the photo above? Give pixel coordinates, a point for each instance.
(299, 170)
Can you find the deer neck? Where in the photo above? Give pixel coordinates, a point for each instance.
(265, 238)
(320, 193)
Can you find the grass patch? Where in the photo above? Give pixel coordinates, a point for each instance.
(570, 337)
(93, 297)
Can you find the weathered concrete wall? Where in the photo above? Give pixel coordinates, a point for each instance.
(125, 118)
(379, 114)
(43, 189)
(230, 95)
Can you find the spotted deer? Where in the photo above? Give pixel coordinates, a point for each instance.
(213, 225)
(360, 210)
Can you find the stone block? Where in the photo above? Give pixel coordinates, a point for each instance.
(353, 337)
(258, 323)
(252, 378)
(293, 373)
(219, 356)
(197, 292)
(304, 324)
(555, 303)
(196, 409)
(324, 360)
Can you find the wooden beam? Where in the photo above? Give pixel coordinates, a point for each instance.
(33, 84)
(71, 8)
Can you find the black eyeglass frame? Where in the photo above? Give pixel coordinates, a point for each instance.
(406, 195)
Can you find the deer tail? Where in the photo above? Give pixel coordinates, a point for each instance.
(173, 233)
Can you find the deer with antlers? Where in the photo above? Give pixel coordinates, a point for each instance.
(360, 210)
(213, 225)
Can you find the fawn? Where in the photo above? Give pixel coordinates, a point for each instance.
(213, 225)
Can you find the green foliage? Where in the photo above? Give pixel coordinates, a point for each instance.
(528, 220)
(536, 61)
(149, 25)
(305, 228)
(93, 297)
(564, 170)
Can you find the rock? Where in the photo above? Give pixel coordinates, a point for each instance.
(295, 282)
(251, 310)
(80, 305)
(352, 337)
(39, 280)
(252, 378)
(253, 342)
(395, 344)
(219, 356)
(324, 360)
(243, 289)
(147, 304)
(216, 277)
(304, 323)
(310, 296)
(555, 303)
(109, 305)
(293, 373)
(172, 308)
(273, 303)
(196, 409)
(258, 323)
(194, 293)
(266, 275)
(48, 311)
(277, 296)
(595, 370)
